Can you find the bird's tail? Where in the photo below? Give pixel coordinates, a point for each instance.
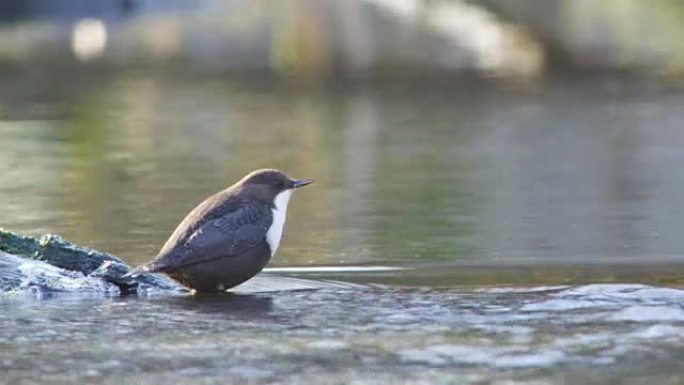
(142, 269)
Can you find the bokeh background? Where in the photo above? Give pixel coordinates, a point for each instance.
(441, 133)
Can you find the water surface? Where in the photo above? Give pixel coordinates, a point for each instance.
(444, 192)
(581, 173)
(573, 335)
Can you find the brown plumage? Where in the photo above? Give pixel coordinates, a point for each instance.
(230, 237)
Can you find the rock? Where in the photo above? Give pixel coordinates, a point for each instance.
(10, 275)
(19, 274)
(20, 245)
(54, 250)
(64, 265)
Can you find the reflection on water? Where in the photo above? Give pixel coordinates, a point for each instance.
(572, 173)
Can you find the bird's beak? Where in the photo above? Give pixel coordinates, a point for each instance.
(297, 183)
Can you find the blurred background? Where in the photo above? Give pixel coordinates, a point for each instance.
(440, 133)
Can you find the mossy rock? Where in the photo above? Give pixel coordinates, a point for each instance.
(21, 245)
(56, 251)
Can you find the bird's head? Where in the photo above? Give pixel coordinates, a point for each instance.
(271, 186)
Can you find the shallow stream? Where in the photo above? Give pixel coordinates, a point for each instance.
(473, 218)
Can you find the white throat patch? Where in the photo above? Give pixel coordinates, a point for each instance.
(279, 212)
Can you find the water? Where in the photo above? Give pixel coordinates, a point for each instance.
(445, 191)
(476, 215)
(586, 334)
(567, 175)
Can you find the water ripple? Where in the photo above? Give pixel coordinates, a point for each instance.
(353, 334)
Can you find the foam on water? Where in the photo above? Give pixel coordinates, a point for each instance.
(38, 277)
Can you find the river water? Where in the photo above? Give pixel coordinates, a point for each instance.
(563, 176)
(475, 219)
(628, 334)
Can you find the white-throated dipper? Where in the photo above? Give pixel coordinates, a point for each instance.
(228, 238)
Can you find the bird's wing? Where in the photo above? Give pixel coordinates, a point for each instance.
(226, 235)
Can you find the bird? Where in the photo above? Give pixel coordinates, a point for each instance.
(230, 236)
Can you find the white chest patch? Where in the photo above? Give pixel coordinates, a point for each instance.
(279, 213)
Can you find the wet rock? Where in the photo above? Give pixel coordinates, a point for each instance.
(54, 264)
(10, 275)
(20, 245)
(54, 250)
(19, 274)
